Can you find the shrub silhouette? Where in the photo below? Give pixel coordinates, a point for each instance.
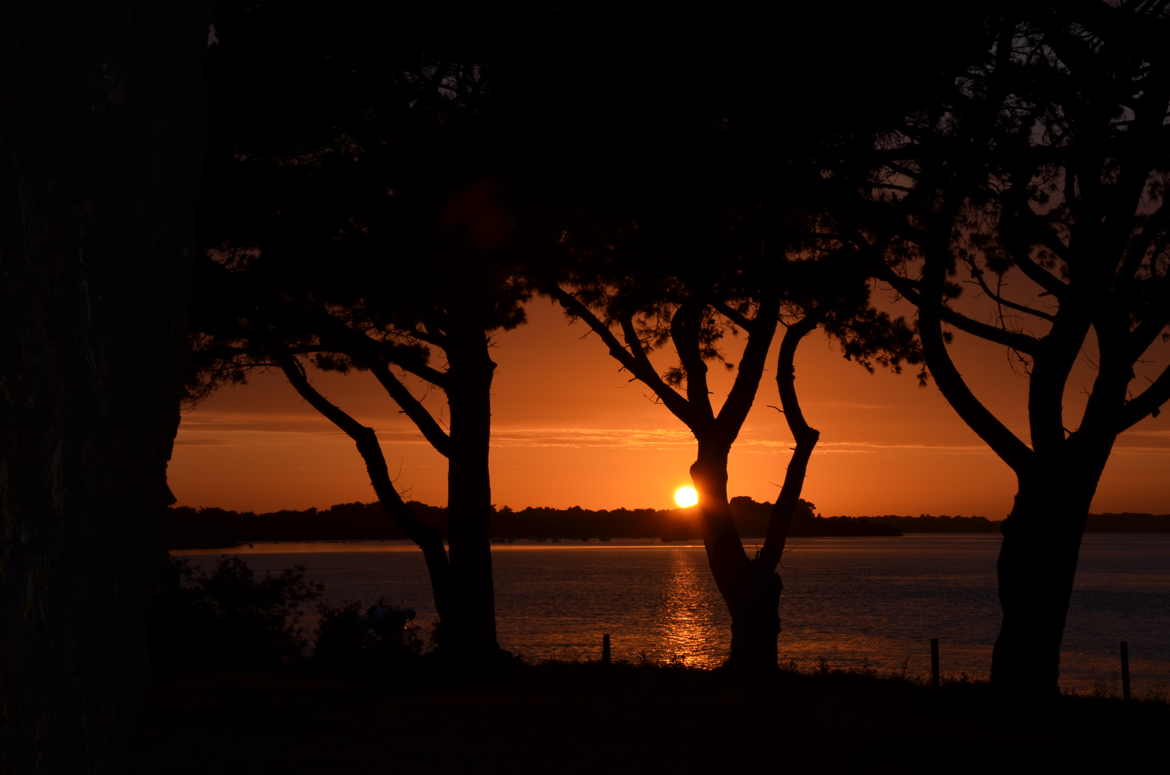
(379, 637)
(229, 618)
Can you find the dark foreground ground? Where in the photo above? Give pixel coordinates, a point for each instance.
(592, 718)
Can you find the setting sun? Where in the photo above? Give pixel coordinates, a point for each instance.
(686, 497)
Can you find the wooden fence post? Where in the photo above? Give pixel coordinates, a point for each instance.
(1125, 670)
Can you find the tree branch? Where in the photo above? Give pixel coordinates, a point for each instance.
(366, 440)
(1148, 403)
(646, 372)
(636, 363)
(951, 383)
(735, 316)
(425, 335)
(751, 367)
(413, 408)
(1155, 228)
(295, 373)
(1148, 332)
(347, 340)
(1040, 275)
(1051, 366)
(422, 371)
(1035, 231)
(978, 274)
(937, 308)
(806, 437)
(685, 331)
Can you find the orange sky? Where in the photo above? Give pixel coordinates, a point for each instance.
(570, 429)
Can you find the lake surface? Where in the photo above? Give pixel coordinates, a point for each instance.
(856, 603)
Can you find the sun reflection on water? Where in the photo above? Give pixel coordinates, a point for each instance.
(688, 622)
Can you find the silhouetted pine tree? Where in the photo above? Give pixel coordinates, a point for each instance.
(362, 229)
(1038, 178)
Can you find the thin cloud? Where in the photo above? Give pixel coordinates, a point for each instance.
(1161, 434)
(224, 429)
(236, 423)
(640, 438)
(221, 429)
(184, 441)
(870, 447)
(847, 405)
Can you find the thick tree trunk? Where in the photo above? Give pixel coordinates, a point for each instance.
(101, 161)
(750, 589)
(755, 619)
(469, 632)
(1036, 571)
(760, 602)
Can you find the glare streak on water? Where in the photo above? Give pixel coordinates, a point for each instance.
(853, 602)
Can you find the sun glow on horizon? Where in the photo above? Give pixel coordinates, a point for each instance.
(686, 496)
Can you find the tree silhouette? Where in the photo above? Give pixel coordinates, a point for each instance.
(1040, 180)
(685, 208)
(686, 271)
(102, 139)
(371, 239)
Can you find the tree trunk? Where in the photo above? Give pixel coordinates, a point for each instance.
(429, 540)
(1036, 571)
(755, 619)
(750, 589)
(763, 604)
(470, 630)
(101, 161)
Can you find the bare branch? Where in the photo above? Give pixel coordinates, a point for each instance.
(421, 370)
(413, 408)
(910, 289)
(366, 440)
(341, 338)
(806, 438)
(950, 382)
(295, 373)
(634, 362)
(1051, 368)
(646, 372)
(732, 314)
(1040, 233)
(423, 334)
(978, 274)
(684, 333)
(751, 367)
(1147, 403)
(1148, 331)
(573, 306)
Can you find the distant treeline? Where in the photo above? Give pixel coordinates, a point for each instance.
(212, 527)
(189, 528)
(1098, 523)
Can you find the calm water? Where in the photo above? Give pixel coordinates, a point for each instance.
(853, 602)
